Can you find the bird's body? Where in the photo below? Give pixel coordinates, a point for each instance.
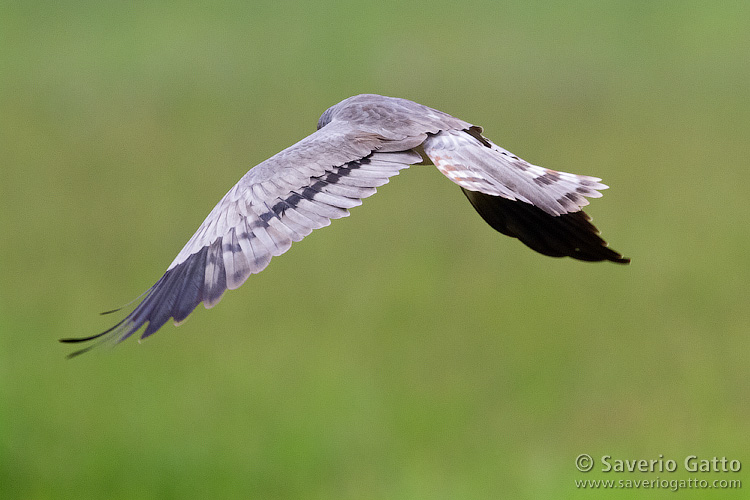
(360, 143)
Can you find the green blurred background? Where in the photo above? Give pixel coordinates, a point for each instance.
(409, 351)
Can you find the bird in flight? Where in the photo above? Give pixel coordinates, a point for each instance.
(358, 145)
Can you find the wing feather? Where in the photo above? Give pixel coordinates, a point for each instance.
(258, 219)
(539, 206)
(566, 235)
(477, 164)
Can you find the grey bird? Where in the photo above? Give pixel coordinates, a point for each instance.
(359, 144)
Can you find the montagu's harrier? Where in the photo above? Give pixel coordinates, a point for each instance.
(360, 143)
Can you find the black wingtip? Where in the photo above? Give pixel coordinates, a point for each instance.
(110, 311)
(177, 293)
(568, 235)
(75, 340)
(82, 339)
(77, 353)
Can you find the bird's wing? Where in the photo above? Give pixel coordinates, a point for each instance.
(477, 164)
(539, 206)
(278, 202)
(565, 235)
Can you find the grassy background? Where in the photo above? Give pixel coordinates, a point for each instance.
(407, 352)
